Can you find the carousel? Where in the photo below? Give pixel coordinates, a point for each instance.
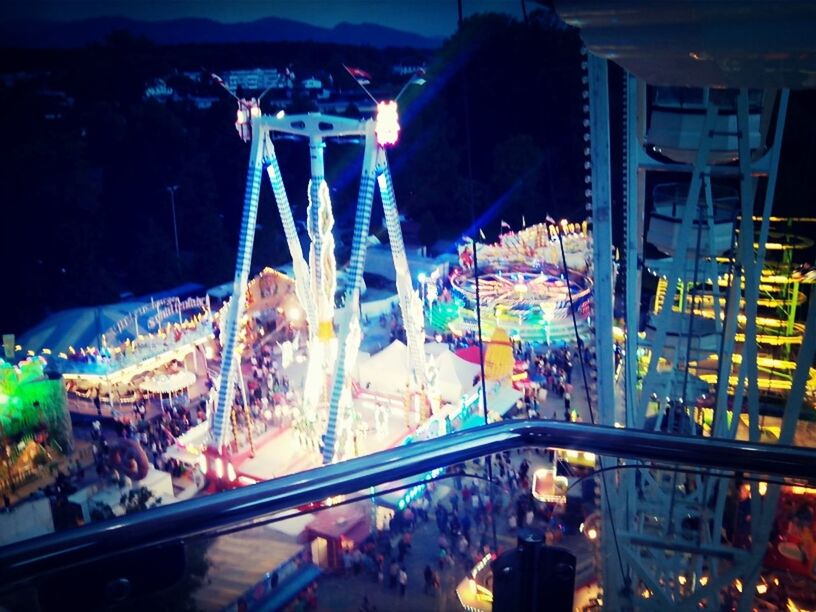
(522, 285)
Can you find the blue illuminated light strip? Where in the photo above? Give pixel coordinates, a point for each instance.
(358, 252)
(466, 411)
(235, 310)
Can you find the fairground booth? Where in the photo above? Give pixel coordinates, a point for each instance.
(337, 530)
(35, 429)
(155, 349)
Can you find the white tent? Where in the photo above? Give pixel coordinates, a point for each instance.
(436, 348)
(455, 376)
(501, 397)
(76, 327)
(386, 371)
(169, 383)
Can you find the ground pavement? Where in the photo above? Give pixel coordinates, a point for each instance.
(345, 592)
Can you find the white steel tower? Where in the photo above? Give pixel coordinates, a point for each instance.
(702, 136)
(333, 342)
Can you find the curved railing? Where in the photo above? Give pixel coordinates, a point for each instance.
(247, 507)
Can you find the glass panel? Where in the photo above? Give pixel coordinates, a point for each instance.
(436, 541)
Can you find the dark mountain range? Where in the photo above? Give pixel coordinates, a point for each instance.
(54, 34)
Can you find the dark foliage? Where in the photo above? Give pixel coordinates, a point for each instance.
(86, 159)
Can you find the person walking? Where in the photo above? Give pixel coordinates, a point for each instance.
(442, 557)
(428, 574)
(441, 518)
(393, 573)
(463, 547)
(403, 580)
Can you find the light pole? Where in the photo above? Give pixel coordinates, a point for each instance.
(171, 189)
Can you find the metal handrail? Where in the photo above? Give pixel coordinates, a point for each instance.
(244, 507)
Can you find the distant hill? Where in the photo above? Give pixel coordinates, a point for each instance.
(54, 34)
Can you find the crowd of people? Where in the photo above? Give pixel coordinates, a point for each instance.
(268, 389)
(465, 508)
(552, 371)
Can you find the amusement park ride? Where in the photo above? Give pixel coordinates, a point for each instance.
(333, 337)
(526, 287)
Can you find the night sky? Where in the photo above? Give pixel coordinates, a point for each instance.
(427, 17)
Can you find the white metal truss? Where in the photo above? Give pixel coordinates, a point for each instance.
(330, 358)
(649, 505)
(375, 168)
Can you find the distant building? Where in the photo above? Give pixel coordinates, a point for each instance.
(55, 103)
(203, 102)
(257, 78)
(158, 90)
(314, 88)
(10, 79)
(404, 70)
(193, 75)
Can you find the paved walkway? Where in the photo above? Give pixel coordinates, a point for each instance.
(554, 404)
(237, 562)
(344, 592)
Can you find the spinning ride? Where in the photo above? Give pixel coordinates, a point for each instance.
(522, 287)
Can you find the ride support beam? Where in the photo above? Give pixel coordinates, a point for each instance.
(230, 335)
(348, 348)
(633, 245)
(678, 262)
(410, 304)
(299, 265)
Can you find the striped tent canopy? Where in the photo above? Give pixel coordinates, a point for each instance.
(76, 327)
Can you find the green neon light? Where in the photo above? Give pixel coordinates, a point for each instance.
(30, 401)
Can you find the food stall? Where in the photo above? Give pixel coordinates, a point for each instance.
(336, 530)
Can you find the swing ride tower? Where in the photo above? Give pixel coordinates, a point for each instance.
(334, 335)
